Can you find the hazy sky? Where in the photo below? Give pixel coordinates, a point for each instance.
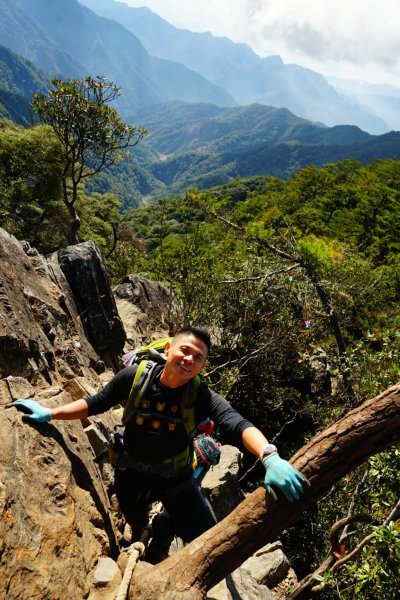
(357, 39)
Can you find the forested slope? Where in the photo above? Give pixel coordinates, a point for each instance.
(201, 145)
(298, 281)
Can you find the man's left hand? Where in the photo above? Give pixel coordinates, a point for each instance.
(280, 473)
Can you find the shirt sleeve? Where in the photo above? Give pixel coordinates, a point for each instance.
(115, 392)
(223, 414)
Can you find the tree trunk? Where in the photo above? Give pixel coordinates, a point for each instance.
(75, 222)
(329, 456)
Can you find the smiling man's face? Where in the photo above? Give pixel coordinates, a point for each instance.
(186, 356)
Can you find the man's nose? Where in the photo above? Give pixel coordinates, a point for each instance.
(189, 358)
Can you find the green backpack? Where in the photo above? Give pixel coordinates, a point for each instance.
(154, 351)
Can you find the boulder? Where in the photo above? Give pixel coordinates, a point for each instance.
(106, 579)
(240, 585)
(88, 279)
(148, 311)
(269, 565)
(220, 482)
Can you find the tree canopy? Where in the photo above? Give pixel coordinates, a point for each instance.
(91, 133)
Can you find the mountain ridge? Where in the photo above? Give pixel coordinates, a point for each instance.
(95, 45)
(19, 80)
(248, 77)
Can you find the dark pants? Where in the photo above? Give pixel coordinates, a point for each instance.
(190, 512)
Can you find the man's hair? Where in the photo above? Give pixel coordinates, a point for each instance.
(199, 332)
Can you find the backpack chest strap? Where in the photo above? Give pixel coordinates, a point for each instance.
(141, 381)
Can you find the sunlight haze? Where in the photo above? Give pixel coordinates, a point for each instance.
(353, 40)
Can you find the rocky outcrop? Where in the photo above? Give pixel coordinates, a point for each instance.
(41, 335)
(54, 510)
(147, 310)
(88, 279)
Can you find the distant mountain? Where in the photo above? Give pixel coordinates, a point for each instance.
(19, 80)
(245, 75)
(200, 145)
(377, 98)
(82, 43)
(20, 32)
(204, 170)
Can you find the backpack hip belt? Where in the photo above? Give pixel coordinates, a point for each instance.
(169, 468)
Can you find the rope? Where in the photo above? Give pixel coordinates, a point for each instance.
(135, 551)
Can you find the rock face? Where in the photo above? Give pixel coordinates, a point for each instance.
(40, 332)
(54, 510)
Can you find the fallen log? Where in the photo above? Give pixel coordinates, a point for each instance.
(327, 458)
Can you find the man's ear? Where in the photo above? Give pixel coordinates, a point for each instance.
(166, 348)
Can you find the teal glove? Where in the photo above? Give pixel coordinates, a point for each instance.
(281, 474)
(33, 410)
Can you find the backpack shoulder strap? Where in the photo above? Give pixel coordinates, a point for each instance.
(189, 398)
(139, 386)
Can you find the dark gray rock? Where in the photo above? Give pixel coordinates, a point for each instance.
(88, 279)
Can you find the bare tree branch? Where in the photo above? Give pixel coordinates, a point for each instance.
(234, 361)
(261, 277)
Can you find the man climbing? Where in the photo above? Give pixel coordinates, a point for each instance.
(157, 451)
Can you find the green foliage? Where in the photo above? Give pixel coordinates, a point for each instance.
(31, 206)
(99, 213)
(375, 572)
(376, 577)
(90, 131)
(319, 253)
(30, 194)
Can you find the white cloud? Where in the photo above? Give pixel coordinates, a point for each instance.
(357, 38)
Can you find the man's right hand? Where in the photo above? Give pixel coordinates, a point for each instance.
(33, 410)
